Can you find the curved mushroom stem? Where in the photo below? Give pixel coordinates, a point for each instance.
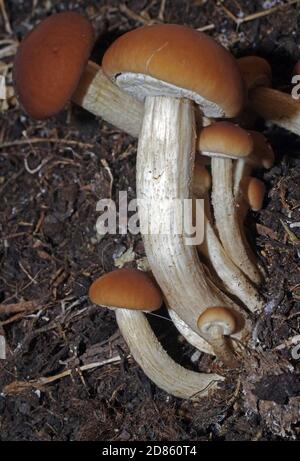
(98, 95)
(227, 220)
(230, 275)
(221, 346)
(262, 156)
(241, 169)
(156, 363)
(165, 162)
(277, 107)
(233, 278)
(191, 337)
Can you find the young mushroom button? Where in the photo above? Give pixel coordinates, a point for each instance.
(253, 190)
(216, 323)
(129, 292)
(171, 67)
(51, 67)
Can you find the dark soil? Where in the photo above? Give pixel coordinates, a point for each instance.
(49, 254)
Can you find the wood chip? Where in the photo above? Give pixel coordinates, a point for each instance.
(266, 232)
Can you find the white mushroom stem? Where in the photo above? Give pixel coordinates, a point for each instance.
(232, 277)
(165, 163)
(241, 169)
(98, 95)
(191, 337)
(157, 364)
(221, 346)
(227, 220)
(277, 107)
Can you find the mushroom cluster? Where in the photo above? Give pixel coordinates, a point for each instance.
(172, 87)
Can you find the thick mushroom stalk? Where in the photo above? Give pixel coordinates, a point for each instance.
(129, 292)
(157, 364)
(164, 171)
(276, 107)
(217, 324)
(151, 64)
(273, 105)
(99, 96)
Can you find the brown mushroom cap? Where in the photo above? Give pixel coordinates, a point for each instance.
(256, 71)
(225, 139)
(128, 289)
(217, 317)
(186, 59)
(254, 192)
(50, 61)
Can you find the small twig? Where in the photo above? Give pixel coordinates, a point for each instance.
(135, 16)
(161, 13)
(9, 50)
(272, 10)
(24, 306)
(70, 142)
(111, 178)
(22, 314)
(32, 279)
(289, 342)
(291, 236)
(228, 12)
(5, 17)
(205, 28)
(253, 16)
(19, 386)
(37, 169)
(13, 236)
(2, 344)
(7, 41)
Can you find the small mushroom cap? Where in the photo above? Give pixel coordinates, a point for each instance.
(50, 61)
(201, 179)
(296, 70)
(254, 191)
(217, 317)
(224, 139)
(128, 289)
(170, 59)
(262, 155)
(256, 71)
